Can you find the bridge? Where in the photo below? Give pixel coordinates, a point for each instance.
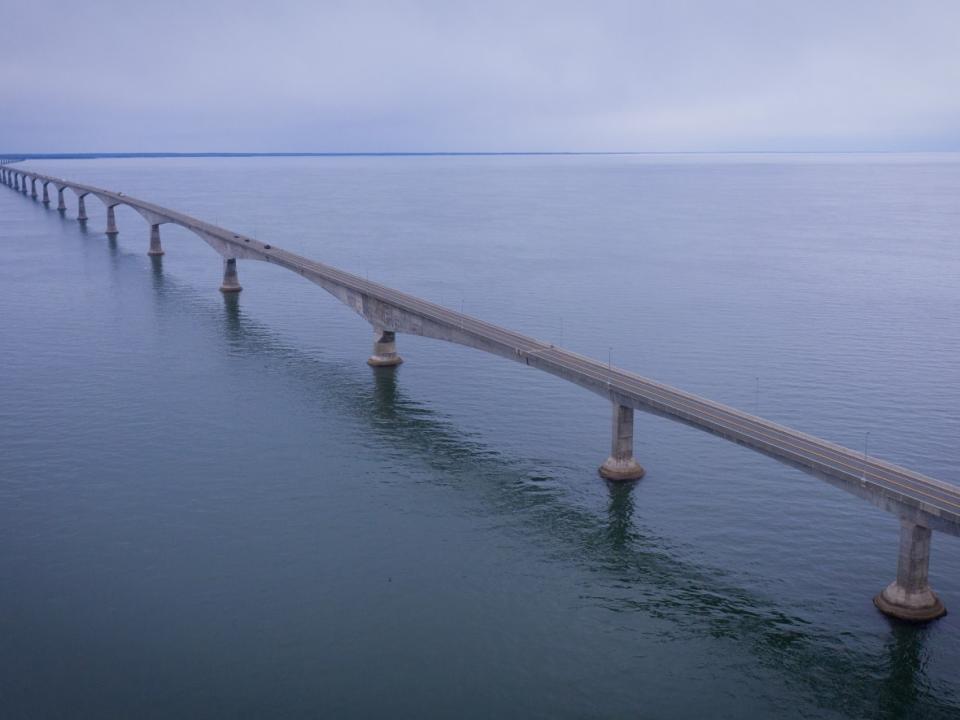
(923, 504)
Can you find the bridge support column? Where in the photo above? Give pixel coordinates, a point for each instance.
(384, 349)
(61, 205)
(46, 193)
(156, 249)
(81, 209)
(111, 222)
(231, 283)
(621, 465)
(23, 184)
(33, 188)
(909, 597)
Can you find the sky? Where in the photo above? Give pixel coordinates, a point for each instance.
(486, 75)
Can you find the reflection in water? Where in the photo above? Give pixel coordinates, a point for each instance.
(620, 532)
(906, 691)
(156, 271)
(231, 312)
(634, 570)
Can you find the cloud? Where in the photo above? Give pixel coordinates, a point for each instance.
(408, 75)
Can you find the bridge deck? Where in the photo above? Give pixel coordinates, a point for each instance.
(917, 497)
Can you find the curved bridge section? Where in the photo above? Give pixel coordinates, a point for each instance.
(922, 503)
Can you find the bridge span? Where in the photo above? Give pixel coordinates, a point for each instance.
(923, 504)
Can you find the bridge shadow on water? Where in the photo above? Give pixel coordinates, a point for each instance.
(634, 570)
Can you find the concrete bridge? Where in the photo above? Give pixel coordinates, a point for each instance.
(923, 504)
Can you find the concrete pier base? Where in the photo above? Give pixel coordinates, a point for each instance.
(46, 194)
(621, 466)
(81, 209)
(33, 188)
(156, 249)
(384, 350)
(61, 205)
(231, 283)
(111, 222)
(909, 597)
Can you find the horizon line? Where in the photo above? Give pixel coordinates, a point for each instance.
(454, 153)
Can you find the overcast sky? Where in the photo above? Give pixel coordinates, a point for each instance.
(485, 75)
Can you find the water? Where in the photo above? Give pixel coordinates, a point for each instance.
(214, 508)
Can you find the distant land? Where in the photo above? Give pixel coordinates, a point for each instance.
(94, 155)
(89, 156)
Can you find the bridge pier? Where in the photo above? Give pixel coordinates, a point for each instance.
(620, 465)
(231, 283)
(46, 193)
(156, 249)
(909, 597)
(33, 188)
(384, 349)
(81, 209)
(61, 205)
(23, 184)
(111, 222)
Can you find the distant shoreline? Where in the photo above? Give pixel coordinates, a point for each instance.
(100, 155)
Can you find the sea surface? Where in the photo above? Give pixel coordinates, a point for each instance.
(212, 507)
